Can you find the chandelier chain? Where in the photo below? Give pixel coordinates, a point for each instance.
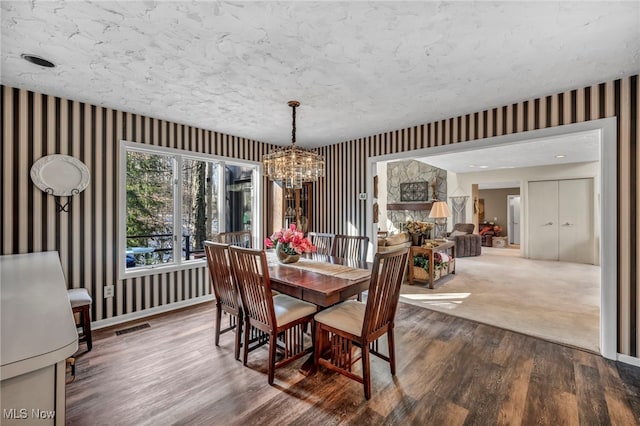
(293, 130)
(293, 166)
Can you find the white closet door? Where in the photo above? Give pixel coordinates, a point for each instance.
(575, 217)
(543, 220)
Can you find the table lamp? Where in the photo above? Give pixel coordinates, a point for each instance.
(440, 212)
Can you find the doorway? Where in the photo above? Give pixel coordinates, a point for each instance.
(606, 130)
(513, 219)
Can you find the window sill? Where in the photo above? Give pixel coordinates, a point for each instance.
(144, 271)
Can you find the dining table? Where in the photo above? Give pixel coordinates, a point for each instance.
(319, 279)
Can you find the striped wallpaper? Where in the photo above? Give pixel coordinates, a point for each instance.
(34, 125)
(346, 163)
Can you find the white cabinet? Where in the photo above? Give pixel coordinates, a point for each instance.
(561, 220)
(38, 334)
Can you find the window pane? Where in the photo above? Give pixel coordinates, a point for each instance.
(149, 209)
(239, 197)
(199, 206)
(174, 201)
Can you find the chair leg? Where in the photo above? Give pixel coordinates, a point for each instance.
(317, 340)
(247, 329)
(238, 332)
(70, 370)
(218, 320)
(86, 325)
(366, 371)
(392, 351)
(272, 357)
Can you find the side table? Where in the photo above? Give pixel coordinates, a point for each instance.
(449, 247)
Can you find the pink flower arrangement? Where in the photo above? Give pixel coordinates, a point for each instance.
(291, 241)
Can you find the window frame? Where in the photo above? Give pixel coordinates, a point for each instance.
(178, 263)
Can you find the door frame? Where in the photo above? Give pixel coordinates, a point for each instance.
(607, 128)
(509, 214)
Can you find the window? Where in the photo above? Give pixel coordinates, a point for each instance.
(238, 196)
(172, 201)
(199, 205)
(149, 208)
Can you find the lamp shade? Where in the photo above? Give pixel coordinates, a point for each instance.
(439, 210)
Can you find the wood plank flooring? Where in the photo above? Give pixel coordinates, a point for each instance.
(450, 371)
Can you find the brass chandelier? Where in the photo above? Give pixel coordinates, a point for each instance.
(292, 166)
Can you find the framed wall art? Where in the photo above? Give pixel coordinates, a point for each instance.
(375, 186)
(414, 191)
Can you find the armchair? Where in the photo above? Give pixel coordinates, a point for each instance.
(467, 243)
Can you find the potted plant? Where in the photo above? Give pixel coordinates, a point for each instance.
(289, 244)
(418, 231)
(421, 263)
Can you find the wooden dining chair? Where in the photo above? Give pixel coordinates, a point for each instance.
(236, 238)
(350, 247)
(81, 304)
(322, 241)
(362, 324)
(225, 291)
(283, 318)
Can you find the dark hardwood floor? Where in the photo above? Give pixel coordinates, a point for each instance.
(450, 371)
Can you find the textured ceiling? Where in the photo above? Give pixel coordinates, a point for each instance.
(574, 148)
(358, 68)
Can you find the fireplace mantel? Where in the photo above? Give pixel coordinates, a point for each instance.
(410, 206)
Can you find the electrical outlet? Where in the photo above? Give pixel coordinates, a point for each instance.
(108, 291)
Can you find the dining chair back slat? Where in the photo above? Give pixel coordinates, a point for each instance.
(353, 324)
(384, 293)
(322, 241)
(350, 247)
(224, 289)
(251, 271)
(293, 316)
(236, 238)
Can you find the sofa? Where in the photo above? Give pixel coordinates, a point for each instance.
(467, 243)
(394, 242)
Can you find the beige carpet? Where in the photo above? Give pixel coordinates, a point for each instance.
(556, 301)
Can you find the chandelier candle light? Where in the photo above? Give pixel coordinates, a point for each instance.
(292, 166)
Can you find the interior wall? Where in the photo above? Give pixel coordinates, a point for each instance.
(347, 161)
(464, 181)
(34, 125)
(523, 176)
(86, 237)
(401, 172)
(381, 171)
(495, 205)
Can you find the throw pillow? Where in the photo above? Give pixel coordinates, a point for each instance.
(400, 238)
(457, 233)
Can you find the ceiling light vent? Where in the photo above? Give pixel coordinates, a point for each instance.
(38, 60)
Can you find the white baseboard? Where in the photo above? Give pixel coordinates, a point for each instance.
(108, 322)
(629, 360)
